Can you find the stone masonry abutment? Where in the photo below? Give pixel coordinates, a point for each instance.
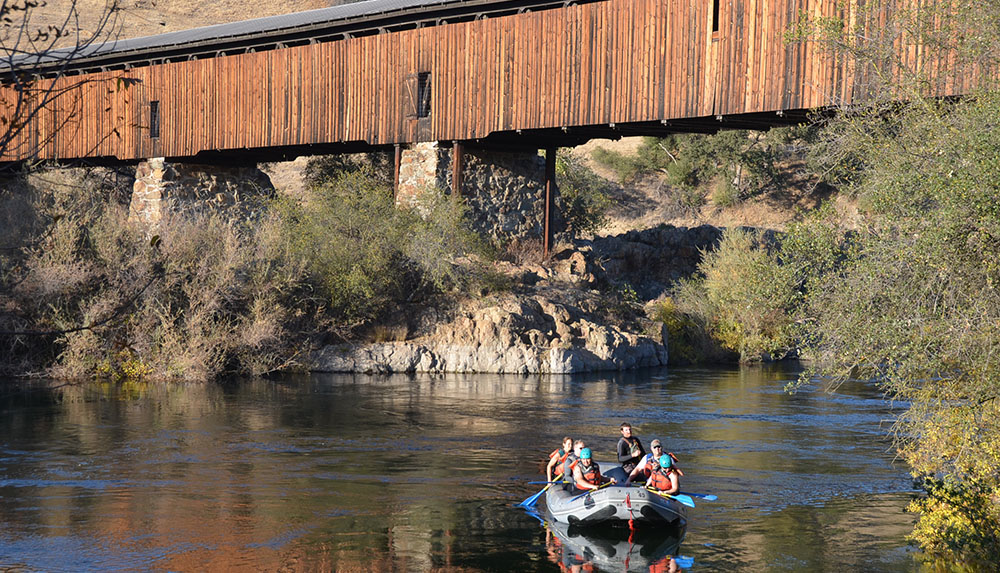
(505, 191)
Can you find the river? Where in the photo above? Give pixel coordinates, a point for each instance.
(420, 473)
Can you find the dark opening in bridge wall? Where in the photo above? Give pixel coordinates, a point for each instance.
(424, 89)
(715, 16)
(154, 119)
(417, 95)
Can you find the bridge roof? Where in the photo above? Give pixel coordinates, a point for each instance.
(324, 24)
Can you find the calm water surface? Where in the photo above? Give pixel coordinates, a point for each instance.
(365, 473)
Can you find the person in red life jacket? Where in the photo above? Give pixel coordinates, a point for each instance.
(664, 478)
(587, 473)
(642, 471)
(557, 457)
(630, 450)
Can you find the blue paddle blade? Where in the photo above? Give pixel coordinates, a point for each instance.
(684, 499)
(531, 511)
(531, 500)
(704, 496)
(684, 562)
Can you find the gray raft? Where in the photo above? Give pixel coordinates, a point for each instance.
(612, 504)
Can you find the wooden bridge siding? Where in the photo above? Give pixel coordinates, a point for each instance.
(608, 62)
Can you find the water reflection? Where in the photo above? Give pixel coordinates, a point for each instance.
(420, 473)
(614, 549)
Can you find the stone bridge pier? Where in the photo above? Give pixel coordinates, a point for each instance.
(163, 187)
(511, 195)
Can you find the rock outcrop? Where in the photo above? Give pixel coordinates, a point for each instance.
(516, 334)
(568, 315)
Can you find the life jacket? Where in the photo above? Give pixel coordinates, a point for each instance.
(591, 474)
(568, 464)
(559, 454)
(644, 473)
(661, 479)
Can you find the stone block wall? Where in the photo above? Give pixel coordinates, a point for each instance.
(505, 191)
(163, 187)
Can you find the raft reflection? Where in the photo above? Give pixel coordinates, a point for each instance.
(614, 549)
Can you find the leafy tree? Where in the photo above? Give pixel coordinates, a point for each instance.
(914, 302)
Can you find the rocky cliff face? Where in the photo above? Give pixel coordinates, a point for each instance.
(566, 316)
(516, 334)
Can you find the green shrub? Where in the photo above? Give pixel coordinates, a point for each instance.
(585, 195)
(364, 254)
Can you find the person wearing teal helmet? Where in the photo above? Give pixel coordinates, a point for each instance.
(664, 478)
(587, 472)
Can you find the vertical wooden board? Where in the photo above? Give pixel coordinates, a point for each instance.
(336, 116)
(475, 54)
(519, 95)
(587, 47)
(746, 52)
(669, 63)
(604, 65)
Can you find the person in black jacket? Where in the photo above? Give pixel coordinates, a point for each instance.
(630, 450)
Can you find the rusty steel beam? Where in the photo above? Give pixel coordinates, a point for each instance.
(550, 183)
(397, 159)
(457, 154)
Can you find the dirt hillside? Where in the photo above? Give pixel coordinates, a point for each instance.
(648, 202)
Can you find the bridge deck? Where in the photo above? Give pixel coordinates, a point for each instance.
(531, 79)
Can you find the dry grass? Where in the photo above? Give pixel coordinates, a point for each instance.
(648, 203)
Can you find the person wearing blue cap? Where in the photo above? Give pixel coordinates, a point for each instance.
(587, 472)
(664, 478)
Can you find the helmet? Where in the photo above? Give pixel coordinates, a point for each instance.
(585, 454)
(665, 461)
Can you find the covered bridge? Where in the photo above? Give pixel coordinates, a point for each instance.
(525, 74)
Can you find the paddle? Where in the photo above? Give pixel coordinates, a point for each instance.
(589, 491)
(531, 500)
(680, 497)
(704, 496)
(684, 562)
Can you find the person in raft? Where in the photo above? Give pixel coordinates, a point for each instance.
(664, 478)
(642, 471)
(557, 458)
(630, 450)
(572, 460)
(587, 473)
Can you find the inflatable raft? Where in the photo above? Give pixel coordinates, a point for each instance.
(615, 503)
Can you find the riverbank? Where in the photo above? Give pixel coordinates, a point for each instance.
(588, 308)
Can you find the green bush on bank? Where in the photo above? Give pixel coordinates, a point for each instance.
(744, 301)
(916, 306)
(585, 196)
